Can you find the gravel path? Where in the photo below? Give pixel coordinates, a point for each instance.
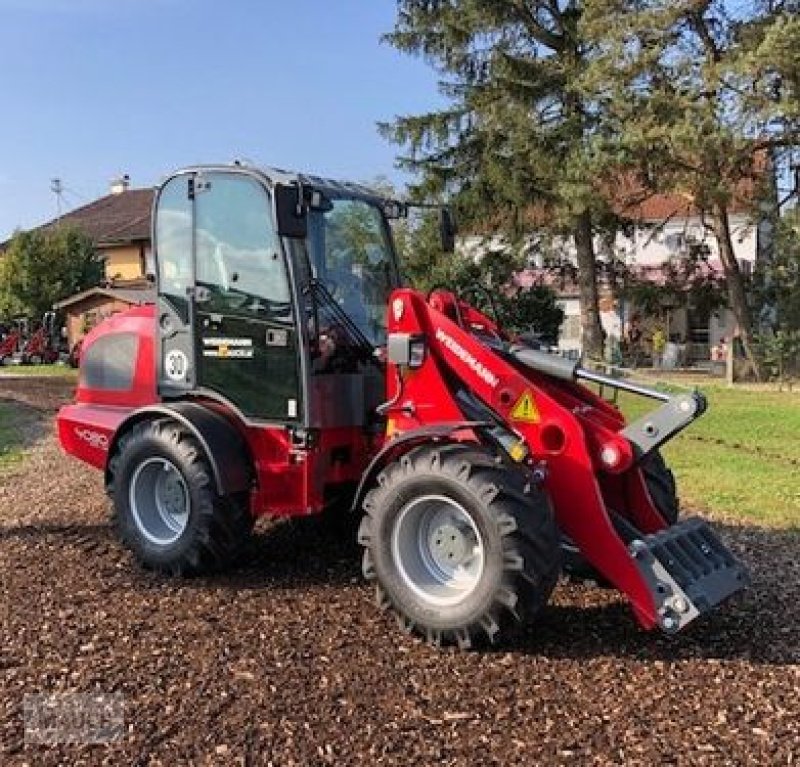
(286, 661)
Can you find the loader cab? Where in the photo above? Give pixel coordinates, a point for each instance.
(272, 294)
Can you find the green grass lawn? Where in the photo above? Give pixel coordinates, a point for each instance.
(741, 458)
(36, 371)
(738, 458)
(10, 437)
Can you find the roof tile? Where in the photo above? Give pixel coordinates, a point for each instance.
(115, 218)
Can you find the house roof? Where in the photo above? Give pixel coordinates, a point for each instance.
(132, 296)
(632, 202)
(115, 218)
(631, 199)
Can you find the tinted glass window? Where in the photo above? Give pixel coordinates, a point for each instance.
(353, 258)
(239, 261)
(110, 362)
(174, 243)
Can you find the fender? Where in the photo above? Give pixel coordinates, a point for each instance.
(400, 445)
(222, 443)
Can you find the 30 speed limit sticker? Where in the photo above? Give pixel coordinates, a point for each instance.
(176, 365)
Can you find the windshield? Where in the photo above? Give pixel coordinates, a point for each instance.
(352, 257)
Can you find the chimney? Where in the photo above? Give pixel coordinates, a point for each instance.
(120, 184)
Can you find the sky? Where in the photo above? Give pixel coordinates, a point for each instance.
(92, 89)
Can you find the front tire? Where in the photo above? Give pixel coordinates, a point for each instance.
(166, 509)
(661, 485)
(459, 546)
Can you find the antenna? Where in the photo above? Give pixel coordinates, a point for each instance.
(57, 188)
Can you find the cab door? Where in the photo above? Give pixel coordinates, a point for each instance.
(238, 309)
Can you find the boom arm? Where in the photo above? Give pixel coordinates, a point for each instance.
(575, 440)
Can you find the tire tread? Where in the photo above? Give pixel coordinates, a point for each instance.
(222, 525)
(524, 519)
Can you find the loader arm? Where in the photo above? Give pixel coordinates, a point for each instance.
(577, 443)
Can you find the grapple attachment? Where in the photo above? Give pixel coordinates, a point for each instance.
(689, 571)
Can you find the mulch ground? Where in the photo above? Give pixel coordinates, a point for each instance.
(286, 661)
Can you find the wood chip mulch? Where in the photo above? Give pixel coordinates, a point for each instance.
(286, 661)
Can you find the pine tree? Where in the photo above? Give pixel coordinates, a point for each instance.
(517, 134)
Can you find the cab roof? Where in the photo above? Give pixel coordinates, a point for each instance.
(272, 176)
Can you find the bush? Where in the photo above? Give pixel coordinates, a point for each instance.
(781, 355)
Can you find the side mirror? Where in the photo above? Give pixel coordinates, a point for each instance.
(290, 211)
(447, 230)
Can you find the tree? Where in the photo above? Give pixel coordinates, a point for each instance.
(777, 289)
(490, 283)
(517, 136)
(701, 102)
(778, 278)
(44, 266)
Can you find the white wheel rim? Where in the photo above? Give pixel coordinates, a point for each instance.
(159, 501)
(438, 550)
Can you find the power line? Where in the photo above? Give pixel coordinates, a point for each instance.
(76, 195)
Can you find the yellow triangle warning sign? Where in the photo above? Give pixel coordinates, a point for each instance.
(525, 409)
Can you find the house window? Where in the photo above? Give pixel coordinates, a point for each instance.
(675, 242)
(571, 328)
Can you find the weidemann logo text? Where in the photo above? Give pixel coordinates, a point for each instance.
(467, 358)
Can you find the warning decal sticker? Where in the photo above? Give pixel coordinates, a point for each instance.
(525, 409)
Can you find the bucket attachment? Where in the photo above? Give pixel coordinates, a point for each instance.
(689, 571)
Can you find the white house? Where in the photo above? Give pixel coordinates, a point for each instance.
(663, 228)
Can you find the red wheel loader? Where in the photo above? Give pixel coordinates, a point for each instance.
(42, 346)
(13, 341)
(284, 371)
(9, 344)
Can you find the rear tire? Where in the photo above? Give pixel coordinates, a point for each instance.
(459, 546)
(166, 509)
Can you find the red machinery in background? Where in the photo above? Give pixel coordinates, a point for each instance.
(42, 346)
(13, 340)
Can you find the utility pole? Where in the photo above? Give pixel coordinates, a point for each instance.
(57, 188)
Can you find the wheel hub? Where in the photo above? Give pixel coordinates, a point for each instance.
(438, 550)
(159, 500)
(171, 494)
(450, 545)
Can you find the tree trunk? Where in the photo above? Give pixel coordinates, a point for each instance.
(737, 296)
(591, 330)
